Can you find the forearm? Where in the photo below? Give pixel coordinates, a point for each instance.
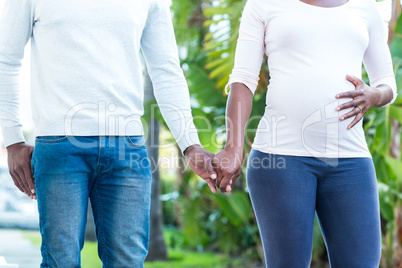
(238, 112)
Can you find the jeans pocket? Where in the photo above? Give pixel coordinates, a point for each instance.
(51, 139)
(136, 141)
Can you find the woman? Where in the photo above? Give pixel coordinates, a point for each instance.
(309, 154)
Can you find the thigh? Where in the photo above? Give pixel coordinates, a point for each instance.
(282, 190)
(348, 212)
(62, 174)
(120, 200)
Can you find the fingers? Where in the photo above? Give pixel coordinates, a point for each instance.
(224, 185)
(19, 178)
(28, 176)
(229, 186)
(200, 162)
(210, 172)
(219, 180)
(350, 94)
(356, 81)
(354, 112)
(211, 185)
(356, 120)
(209, 168)
(353, 103)
(17, 182)
(215, 163)
(219, 175)
(227, 181)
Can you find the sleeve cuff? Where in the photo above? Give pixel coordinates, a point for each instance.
(189, 138)
(12, 135)
(389, 81)
(250, 81)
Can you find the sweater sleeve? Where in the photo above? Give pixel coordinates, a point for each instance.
(250, 47)
(170, 87)
(16, 20)
(377, 57)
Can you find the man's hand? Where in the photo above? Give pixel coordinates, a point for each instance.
(228, 163)
(199, 161)
(19, 164)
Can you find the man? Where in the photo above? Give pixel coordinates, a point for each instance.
(87, 100)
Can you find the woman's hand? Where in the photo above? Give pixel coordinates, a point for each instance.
(227, 163)
(363, 99)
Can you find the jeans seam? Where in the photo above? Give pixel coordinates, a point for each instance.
(133, 144)
(99, 157)
(58, 140)
(100, 226)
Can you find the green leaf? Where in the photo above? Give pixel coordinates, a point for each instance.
(396, 113)
(236, 207)
(387, 211)
(395, 166)
(396, 46)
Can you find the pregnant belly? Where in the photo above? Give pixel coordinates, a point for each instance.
(305, 116)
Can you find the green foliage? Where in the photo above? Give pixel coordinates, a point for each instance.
(224, 222)
(209, 47)
(169, 199)
(180, 258)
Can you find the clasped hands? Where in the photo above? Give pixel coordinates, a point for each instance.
(220, 170)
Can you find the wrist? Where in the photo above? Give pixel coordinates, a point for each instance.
(15, 145)
(381, 95)
(234, 149)
(190, 148)
(375, 97)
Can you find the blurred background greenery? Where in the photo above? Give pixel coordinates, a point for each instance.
(191, 227)
(206, 33)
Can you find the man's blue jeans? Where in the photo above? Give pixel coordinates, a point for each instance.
(114, 173)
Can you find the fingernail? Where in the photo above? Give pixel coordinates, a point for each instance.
(228, 188)
(337, 96)
(231, 182)
(342, 118)
(213, 176)
(337, 108)
(33, 191)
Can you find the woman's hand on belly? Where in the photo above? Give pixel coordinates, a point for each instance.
(363, 99)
